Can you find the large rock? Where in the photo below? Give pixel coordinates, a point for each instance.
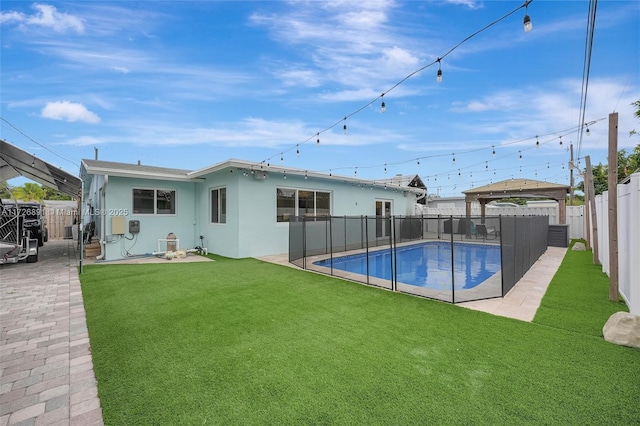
(623, 328)
(579, 247)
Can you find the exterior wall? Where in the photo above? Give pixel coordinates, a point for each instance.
(119, 202)
(252, 230)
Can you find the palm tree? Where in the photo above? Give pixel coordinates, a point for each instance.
(29, 192)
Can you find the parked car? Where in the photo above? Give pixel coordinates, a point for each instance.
(34, 221)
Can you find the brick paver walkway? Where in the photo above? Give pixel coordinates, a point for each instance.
(46, 369)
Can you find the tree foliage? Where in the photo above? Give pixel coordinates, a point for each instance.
(5, 190)
(628, 163)
(29, 192)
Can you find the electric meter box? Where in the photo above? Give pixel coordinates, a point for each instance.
(134, 226)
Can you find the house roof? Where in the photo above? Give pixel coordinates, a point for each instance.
(241, 166)
(112, 168)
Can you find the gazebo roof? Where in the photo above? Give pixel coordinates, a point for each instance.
(516, 187)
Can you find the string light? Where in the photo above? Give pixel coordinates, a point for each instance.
(297, 151)
(520, 152)
(528, 26)
(281, 158)
(385, 169)
(561, 140)
(383, 107)
(438, 75)
(454, 158)
(494, 150)
(537, 142)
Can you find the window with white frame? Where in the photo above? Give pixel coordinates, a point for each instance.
(298, 202)
(219, 205)
(154, 201)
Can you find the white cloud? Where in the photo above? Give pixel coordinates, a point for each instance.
(45, 16)
(471, 4)
(69, 111)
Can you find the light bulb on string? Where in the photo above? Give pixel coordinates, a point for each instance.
(344, 126)
(355, 173)
(520, 154)
(560, 140)
(383, 106)
(537, 142)
(281, 158)
(528, 26)
(297, 151)
(318, 140)
(454, 158)
(418, 160)
(439, 74)
(588, 132)
(385, 169)
(486, 166)
(494, 150)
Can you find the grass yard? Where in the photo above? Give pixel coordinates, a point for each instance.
(251, 343)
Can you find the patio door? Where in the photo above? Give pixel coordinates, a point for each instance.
(383, 213)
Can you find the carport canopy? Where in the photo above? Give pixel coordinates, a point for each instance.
(16, 162)
(518, 188)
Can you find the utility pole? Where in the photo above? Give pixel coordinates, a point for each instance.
(571, 164)
(592, 207)
(613, 207)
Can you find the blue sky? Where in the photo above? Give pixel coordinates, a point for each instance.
(188, 84)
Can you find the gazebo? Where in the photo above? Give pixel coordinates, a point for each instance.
(518, 188)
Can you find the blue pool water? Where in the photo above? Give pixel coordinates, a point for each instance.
(427, 264)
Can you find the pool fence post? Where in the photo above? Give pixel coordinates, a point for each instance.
(501, 250)
(366, 230)
(453, 291)
(392, 238)
(331, 243)
(304, 244)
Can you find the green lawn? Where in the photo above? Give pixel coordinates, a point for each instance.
(247, 342)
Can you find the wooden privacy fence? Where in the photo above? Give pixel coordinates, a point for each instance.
(60, 217)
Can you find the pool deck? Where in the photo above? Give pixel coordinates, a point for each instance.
(520, 303)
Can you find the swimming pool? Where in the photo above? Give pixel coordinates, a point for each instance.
(427, 264)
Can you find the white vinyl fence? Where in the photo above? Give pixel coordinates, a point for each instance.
(552, 212)
(575, 215)
(628, 239)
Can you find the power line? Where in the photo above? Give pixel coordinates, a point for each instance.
(57, 154)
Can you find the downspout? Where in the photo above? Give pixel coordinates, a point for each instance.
(103, 218)
(81, 223)
(195, 212)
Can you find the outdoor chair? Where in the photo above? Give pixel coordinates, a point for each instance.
(485, 232)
